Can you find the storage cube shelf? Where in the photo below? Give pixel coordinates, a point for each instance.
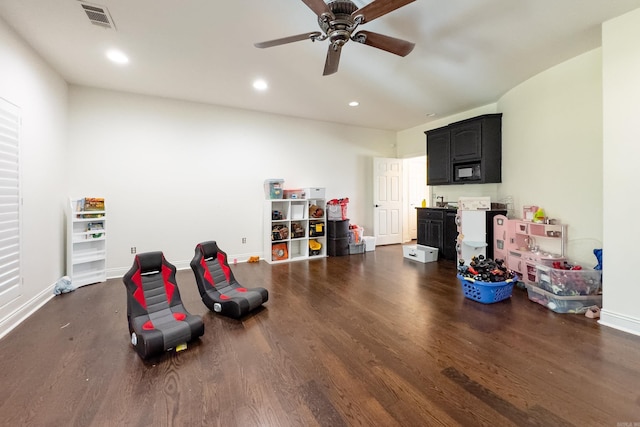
(86, 241)
(290, 226)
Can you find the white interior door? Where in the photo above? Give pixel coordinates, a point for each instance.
(416, 183)
(387, 199)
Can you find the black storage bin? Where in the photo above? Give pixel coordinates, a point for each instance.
(338, 247)
(338, 229)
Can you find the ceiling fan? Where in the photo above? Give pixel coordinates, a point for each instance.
(338, 19)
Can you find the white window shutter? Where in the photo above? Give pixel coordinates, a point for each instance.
(9, 202)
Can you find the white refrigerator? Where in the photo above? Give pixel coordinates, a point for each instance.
(475, 228)
(472, 235)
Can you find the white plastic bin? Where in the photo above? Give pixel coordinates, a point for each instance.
(314, 193)
(420, 253)
(369, 243)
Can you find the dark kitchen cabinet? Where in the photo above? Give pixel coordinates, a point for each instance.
(438, 163)
(430, 225)
(472, 144)
(437, 228)
(466, 141)
(450, 235)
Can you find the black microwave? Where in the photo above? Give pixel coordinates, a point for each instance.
(467, 172)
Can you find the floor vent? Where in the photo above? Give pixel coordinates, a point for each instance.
(98, 15)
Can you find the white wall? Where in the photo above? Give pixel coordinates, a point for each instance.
(621, 152)
(177, 173)
(552, 149)
(26, 81)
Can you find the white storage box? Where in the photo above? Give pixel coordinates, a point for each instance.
(314, 193)
(420, 253)
(474, 203)
(369, 243)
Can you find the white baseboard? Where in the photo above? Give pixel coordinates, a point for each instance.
(119, 272)
(25, 310)
(621, 322)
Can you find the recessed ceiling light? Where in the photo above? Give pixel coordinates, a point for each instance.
(354, 104)
(431, 114)
(260, 85)
(117, 57)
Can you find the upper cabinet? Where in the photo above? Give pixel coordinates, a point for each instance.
(466, 152)
(438, 164)
(466, 141)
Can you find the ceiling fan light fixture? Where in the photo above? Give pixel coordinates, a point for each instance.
(260, 85)
(338, 19)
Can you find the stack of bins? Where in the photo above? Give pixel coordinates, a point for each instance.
(338, 237)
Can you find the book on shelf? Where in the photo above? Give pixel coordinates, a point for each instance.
(93, 204)
(97, 227)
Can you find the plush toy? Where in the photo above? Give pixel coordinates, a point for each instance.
(539, 215)
(315, 211)
(254, 259)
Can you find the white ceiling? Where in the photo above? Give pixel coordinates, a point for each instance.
(467, 54)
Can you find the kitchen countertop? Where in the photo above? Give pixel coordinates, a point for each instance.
(448, 208)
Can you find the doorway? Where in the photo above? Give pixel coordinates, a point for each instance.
(415, 191)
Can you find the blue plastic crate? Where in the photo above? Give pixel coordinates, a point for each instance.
(486, 292)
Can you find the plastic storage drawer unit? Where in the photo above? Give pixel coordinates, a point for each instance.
(420, 253)
(563, 304)
(569, 282)
(356, 248)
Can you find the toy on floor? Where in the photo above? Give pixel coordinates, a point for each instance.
(486, 270)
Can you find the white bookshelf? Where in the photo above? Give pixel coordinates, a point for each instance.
(86, 243)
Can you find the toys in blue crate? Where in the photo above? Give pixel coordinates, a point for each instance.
(486, 280)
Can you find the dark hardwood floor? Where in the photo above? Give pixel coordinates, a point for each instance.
(361, 340)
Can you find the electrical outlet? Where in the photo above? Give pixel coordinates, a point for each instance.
(133, 249)
(244, 240)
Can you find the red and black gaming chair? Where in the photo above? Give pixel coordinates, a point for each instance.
(157, 319)
(218, 288)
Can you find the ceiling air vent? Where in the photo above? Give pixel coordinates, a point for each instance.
(98, 15)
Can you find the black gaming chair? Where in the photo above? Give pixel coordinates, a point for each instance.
(157, 319)
(218, 288)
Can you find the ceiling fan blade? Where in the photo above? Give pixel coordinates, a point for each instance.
(306, 36)
(377, 8)
(390, 44)
(333, 59)
(319, 7)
